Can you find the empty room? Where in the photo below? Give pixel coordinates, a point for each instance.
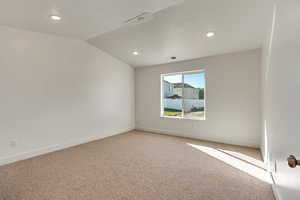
(149, 100)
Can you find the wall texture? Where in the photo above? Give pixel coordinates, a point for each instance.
(57, 92)
(232, 98)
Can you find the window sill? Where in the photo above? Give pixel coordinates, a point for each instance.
(184, 118)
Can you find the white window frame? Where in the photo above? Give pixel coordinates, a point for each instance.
(182, 113)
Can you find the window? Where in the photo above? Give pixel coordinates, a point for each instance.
(183, 95)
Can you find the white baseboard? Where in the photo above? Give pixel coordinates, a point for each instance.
(49, 149)
(274, 188)
(172, 133)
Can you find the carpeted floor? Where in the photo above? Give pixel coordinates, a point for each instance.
(137, 166)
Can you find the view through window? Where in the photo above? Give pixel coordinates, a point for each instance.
(183, 95)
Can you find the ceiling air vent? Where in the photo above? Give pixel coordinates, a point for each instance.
(139, 19)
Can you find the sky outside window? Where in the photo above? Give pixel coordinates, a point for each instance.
(195, 80)
(173, 78)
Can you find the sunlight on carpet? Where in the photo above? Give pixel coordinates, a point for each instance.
(237, 160)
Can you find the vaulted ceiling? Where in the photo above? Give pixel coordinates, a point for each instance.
(80, 18)
(173, 27)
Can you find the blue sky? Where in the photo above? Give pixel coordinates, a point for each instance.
(173, 78)
(195, 80)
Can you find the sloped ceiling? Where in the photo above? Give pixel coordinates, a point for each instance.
(81, 19)
(175, 27)
(181, 31)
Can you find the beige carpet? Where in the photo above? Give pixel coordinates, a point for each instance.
(135, 166)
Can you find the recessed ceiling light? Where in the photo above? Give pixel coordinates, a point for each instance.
(210, 34)
(55, 17)
(135, 53)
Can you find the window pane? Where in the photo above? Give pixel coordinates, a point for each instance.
(172, 85)
(193, 95)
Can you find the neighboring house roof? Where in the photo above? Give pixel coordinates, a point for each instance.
(179, 85)
(175, 96)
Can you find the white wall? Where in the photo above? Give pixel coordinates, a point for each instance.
(281, 97)
(56, 92)
(233, 99)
